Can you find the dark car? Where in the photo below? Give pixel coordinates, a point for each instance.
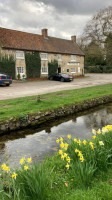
(5, 79)
(61, 77)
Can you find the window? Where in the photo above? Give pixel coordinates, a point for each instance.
(73, 70)
(44, 70)
(20, 70)
(19, 54)
(78, 69)
(59, 57)
(67, 70)
(43, 56)
(73, 58)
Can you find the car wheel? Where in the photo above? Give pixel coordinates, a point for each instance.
(7, 84)
(51, 78)
(62, 80)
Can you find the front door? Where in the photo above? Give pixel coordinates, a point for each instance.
(59, 70)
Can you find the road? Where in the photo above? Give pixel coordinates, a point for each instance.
(22, 89)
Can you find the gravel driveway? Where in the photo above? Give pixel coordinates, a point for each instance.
(21, 89)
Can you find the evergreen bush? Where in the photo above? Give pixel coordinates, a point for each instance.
(33, 65)
(98, 69)
(52, 67)
(7, 65)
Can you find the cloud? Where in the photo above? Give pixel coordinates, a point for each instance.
(62, 18)
(79, 7)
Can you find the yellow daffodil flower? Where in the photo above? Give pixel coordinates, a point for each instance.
(94, 131)
(14, 175)
(69, 136)
(94, 137)
(75, 140)
(82, 159)
(61, 139)
(5, 167)
(26, 167)
(76, 150)
(99, 131)
(68, 159)
(84, 141)
(22, 161)
(57, 140)
(101, 143)
(62, 145)
(60, 152)
(67, 166)
(29, 160)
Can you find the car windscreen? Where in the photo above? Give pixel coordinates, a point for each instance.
(65, 75)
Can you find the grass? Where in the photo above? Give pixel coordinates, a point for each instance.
(21, 106)
(90, 179)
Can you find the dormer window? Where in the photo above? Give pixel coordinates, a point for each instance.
(43, 56)
(73, 58)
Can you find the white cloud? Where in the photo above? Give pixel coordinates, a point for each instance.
(63, 18)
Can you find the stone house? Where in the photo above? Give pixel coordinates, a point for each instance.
(68, 54)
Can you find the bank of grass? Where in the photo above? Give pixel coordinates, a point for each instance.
(20, 106)
(90, 179)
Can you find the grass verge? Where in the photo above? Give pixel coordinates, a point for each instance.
(29, 105)
(80, 170)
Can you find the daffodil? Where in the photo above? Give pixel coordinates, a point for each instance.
(65, 155)
(101, 143)
(57, 140)
(61, 139)
(29, 160)
(80, 154)
(94, 131)
(81, 159)
(60, 152)
(84, 142)
(67, 166)
(99, 131)
(5, 167)
(91, 143)
(26, 167)
(62, 145)
(14, 175)
(94, 137)
(76, 150)
(22, 161)
(75, 140)
(79, 142)
(68, 159)
(69, 136)
(62, 157)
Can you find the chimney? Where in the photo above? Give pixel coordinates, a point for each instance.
(44, 32)
(73, 38)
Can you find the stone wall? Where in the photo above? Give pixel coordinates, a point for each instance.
(39, 118)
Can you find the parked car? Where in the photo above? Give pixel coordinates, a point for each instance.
(5, 79)
(61, 77)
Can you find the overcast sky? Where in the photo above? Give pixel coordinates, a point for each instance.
(62, 18)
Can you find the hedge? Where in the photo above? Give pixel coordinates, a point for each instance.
(33, 65)
(98, 69)
(52, 67)
(7, 65)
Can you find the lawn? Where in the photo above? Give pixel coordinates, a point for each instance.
(20, 106)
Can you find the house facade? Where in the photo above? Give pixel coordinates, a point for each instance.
(68, 54)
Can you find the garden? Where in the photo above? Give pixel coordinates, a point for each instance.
(81, 169)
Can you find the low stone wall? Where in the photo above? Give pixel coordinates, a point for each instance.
(41, 117)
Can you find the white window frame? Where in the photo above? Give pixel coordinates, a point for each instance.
(43, 56)
(79, 70)
(20, 55)
(43, 70)
(73, 58)
(59, 57)
(73, 70)
(20, 70)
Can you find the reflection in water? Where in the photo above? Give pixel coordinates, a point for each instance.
(41, 142)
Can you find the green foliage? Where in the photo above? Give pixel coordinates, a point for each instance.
(7, 65)
(108, 48)
(98, 69)
(23, 118)
(52, 67)
(33, 65)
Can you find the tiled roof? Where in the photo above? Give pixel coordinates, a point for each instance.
(27, 41)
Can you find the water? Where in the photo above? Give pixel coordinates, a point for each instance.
(38, 143)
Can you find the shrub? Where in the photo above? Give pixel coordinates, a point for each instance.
(52, 67)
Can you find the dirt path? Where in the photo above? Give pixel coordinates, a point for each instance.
(23, 89)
